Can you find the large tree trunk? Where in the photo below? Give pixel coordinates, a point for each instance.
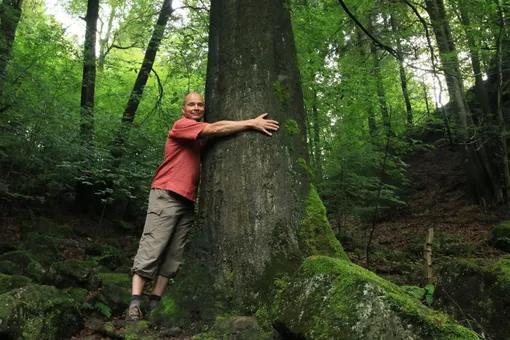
(254, 224)
(141, 80)
(10, 14)
(88, 84)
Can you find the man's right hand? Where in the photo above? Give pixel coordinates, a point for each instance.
(265, 125)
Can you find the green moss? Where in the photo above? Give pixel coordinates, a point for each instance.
(166, 312)
(291, 127)
(38, 312)
(118, 279)
(500, 236)
(333, 299)
(10, 282)
(304, 165)
(315, 232)
(19, 257)
(281, 93)
(9, 268)
(78, 294)
(74, 273)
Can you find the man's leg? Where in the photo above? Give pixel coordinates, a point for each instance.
(172, 258)
(159, 225)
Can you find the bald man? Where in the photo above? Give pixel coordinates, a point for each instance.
(173, 195)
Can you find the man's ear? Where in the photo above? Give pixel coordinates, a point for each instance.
(182, 110)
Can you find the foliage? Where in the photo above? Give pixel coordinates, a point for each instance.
(99, 307)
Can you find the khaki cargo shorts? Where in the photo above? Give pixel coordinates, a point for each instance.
(169, 218)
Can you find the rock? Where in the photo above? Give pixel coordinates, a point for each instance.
(98, 249)
(335, 299)
(36, 272)
(112, 262)
(478, 289)
(38, 312)
(77, 294)
(235, 328)
(500, 237)
(115, 297)
(19, 257)
(9, 268)
(118, 279)
(10, 282)
(74, 273)
(42, 247)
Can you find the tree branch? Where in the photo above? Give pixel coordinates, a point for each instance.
(376, 42)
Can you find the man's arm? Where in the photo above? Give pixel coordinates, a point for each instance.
(229, 127)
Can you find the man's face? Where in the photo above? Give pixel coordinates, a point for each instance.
(193, 107)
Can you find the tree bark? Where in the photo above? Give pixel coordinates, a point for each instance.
(89, 74)
(141, 80)
(255, 190)
(10, 15)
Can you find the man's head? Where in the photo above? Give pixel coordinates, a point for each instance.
(193, 106)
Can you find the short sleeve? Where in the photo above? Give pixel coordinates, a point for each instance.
(186, 128)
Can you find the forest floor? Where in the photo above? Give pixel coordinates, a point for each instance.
(438, 198)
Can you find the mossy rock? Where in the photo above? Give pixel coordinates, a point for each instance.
(74, 273)
(165, 313)
(112, 262)
(235, 328)
(10, 282)
(118, 279)
(500, 237)
(335, 299)
(38, 312)
(478, 289)
(36, 272)
(115, 297)
(19, 257)
(42, 247)
(77, 294)
(98, 249)
(9, 268)
(45, 226)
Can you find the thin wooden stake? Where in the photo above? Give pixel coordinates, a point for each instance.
(427, 255)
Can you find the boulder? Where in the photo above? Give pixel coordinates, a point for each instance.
(42, 247)
(117, 298)
(19, 257)
(235, 328)
(9, 268)
(74, 273)
(500, 237)
(335, 299)
(38, 312)
(478, 289)
(10, 282)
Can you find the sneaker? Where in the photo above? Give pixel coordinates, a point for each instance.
(134, 313)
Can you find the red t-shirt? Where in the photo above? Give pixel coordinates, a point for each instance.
(180, 170)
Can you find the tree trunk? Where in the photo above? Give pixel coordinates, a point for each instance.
(481, 91)
(103, 43)
(88, 84)
(141, 80)
(478, 171)
(402, 71)
(317, 158)
(255, 196)
(503, 133)
(10, 15)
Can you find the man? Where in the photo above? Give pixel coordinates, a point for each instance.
(173, 195)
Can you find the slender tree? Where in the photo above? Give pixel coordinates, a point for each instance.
(141, 80)
(253, 222)
(88, 85)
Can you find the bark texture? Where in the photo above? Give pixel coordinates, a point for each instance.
(88, 85)
(258, 216)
